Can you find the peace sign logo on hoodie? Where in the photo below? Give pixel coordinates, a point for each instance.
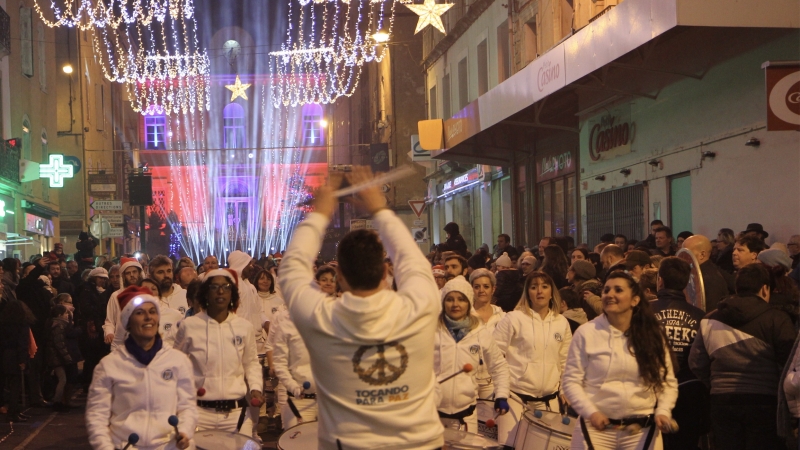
(381, 372)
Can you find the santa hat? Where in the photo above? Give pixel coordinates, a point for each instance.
(438, 271)
(238, 261)
(127, 263)
(227, 273)
(277, 255)
(459, 284)
(131, 298)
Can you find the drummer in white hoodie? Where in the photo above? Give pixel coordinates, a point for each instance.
(371, 353)
(137, 387)
(132, 274)
(222, 348)
(462, 339)
(535, 338)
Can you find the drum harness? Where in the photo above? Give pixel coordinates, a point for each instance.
(642, 421)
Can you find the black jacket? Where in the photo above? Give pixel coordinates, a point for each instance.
(715, 286)
(680, 322)
(32, 292)
(14, 343)
(509, 289)
(457, 244)
(90, 309)
(725, 259)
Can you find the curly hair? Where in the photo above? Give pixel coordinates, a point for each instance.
(646, 338)
(205, 290)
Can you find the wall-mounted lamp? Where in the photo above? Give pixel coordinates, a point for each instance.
(654, 162)
(625, 171)
(708, 155)
(752, 142)
(67, 69)
(600, 178)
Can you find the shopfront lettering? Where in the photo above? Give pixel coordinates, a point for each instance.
(459, 181)
(455, 128)
(608, 135)
(556, 164)
(793, 97)
(547, 73)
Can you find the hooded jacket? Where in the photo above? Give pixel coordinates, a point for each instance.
(372, 357)
(456, 242)
(476, 348)
(742, 347)
(680, 322)
(249, 302)
(128, 397)
(536, 350)
(290, 357)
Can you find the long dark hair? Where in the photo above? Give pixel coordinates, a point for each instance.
(646, 339)
(555, 262)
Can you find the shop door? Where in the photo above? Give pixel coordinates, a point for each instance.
(680, 203)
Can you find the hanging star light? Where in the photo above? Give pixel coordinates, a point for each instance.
(238, 89)
(430, 14)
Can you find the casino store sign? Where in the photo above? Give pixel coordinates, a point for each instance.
(609, 136)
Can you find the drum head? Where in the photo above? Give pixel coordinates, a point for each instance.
(455, 439)
(224, 440)
(551, 421)
(300, 437)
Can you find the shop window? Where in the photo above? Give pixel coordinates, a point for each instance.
(42, 57)
(620, 211)
(557, 207)
(313, 131)
(432, 103)
(155, 132)
(503, 53)
(483, 68)
(447, 104)
(463, 83)
(233, 126)
(531, 36)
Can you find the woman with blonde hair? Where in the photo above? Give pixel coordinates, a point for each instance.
(535, 338)
(483, 284)
(462, 339)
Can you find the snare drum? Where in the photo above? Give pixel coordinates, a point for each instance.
(486, 412)
(224, 440)
(461, 440)
(547, 432)
(300, 437)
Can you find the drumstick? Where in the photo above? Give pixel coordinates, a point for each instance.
(338, 443)
(293, 408)
(466, 369)
(133, 438)
(490, 423)
(173, 420)
(388, 177)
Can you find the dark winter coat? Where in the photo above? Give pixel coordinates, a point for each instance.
(90, 309)
(455, 243)
(509, 289)
(62, 346)
(725, 259)
(714, 284)
(14, 343)
(32, 292)
(680, 322)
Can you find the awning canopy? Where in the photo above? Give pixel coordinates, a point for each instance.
(634, 50)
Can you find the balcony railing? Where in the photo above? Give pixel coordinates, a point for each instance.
(9, 162)
(5, 33)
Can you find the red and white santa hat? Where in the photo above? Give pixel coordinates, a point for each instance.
(131, 298)
(438, 271)
(126, 263)
(227, 273)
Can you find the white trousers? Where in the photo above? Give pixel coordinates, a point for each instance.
(508, 424)
(471, 422)
(306, 407)
(613, 439)
(210, 419)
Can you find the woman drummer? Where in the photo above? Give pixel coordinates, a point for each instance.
(535, 338)
(222, 348)
(139, 386)
(483, 284)
(619, 374)
(169, 318)
(461, 339)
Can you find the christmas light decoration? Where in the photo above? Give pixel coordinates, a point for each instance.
(238, 89)
(430, 14)
(327, 43)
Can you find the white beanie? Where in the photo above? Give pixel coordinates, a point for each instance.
(459, 284)
(503, 261)
(98, 272)
(131, 298)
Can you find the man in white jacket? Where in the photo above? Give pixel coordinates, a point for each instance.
(171, 293)
(371, 350)
(131, 273)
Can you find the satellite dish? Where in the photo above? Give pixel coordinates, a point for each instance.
(231, 50)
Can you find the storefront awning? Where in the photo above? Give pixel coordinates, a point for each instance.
(634, 50)
(16, 239)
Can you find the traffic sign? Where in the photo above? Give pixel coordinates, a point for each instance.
(418, 206)
(107, 205)
(114, 232)
(110, 218)
(417, 153)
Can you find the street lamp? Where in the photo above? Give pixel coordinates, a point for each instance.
(67, 68)
(380, 37)
(323, 123)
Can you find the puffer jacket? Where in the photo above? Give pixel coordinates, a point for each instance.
(62, 346)
(449, 356)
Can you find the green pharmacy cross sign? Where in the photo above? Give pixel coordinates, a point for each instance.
(57, 170)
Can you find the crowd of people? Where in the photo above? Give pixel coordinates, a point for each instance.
(385, 348)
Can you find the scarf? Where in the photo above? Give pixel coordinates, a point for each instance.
(142, 355)
(458, 328)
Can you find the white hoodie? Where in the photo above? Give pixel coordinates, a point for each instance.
(536, 350)
(461, 391)
(602, 375)
(371, 357)
(249, 301)
(127, 397)
(290, 357)
(223, 355)
(177, 299)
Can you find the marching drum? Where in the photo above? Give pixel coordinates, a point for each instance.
(486, 412)
(545, 432)
(300, 437)
(224, 440)
(461, 440)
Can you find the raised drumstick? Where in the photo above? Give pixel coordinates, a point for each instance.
(466, 369)
(133, 438)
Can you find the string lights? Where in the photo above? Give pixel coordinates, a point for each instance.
(327, 42)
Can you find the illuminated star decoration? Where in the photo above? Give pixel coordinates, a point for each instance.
(430, 14)
(238, 89)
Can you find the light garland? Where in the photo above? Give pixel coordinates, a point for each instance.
(325, 63)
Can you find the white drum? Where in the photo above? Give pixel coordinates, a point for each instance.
(300, 437)
(461, 440)
(486, 412)
(546, 432)
(224, 440)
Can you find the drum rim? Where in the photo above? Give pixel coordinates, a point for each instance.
(278, 443)
(541, 425)
(223, 433)
(489, 441)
